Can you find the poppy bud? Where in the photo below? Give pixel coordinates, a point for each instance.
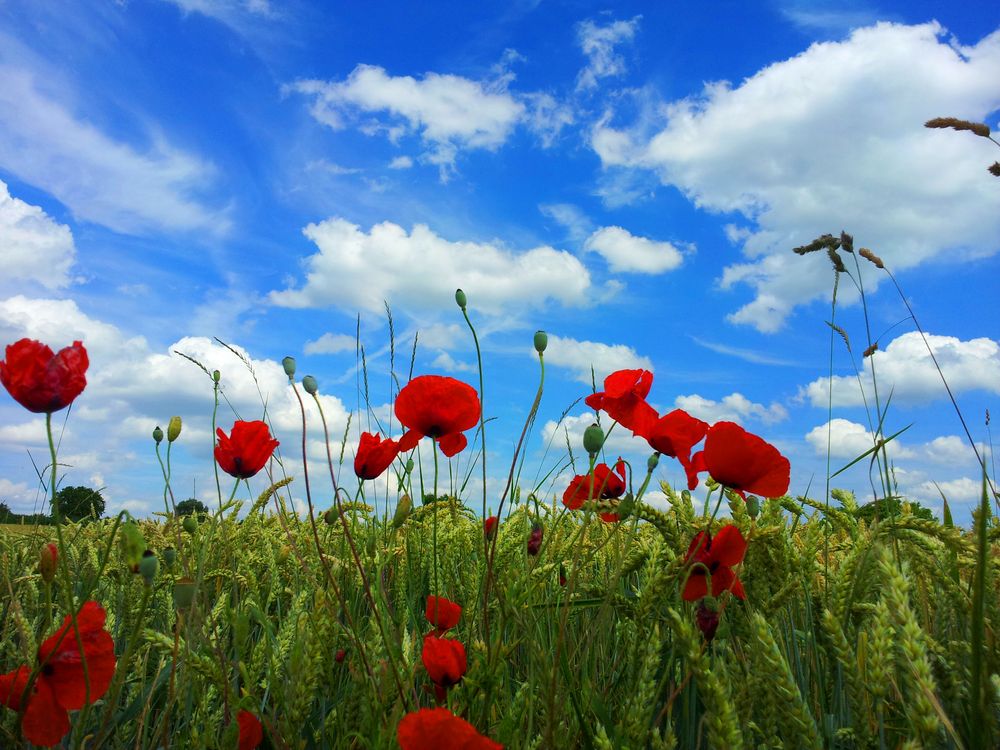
(340, 656)
(169, 556)
(149, 566)
(48, 559)
(409, 466)
(216, 376)
(403, 508)
(490, 526)
(753, 506)
(653, 461)
(562, 574)
(535, 539)
(593, 439)
(157, 434)
(190, 524)
(541, 341)
(310, 385)
(331, 516)
(174, 429)
(460, 298)
(184, 591)
(707, 620)
(288, 364)
(132, 545)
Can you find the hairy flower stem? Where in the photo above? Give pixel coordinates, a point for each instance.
(215, 414)
(350, 541)
(319, 548)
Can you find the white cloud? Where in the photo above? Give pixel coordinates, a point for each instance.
(907, 192)
(421, 271)
(732, 408)
(848, 440)
(578, 226)
(598, 44)
(35, 248)
(581, 356)
(444, 361)
(331, 343)
(27, 433)
(619, 442)
(956, 491)
(626, 253)
(401, 162)
(448, 111)
(905, 367)
(546, 117)
(952, 450)
(100, 179)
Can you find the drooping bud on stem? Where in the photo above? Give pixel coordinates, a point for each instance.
(535, 539)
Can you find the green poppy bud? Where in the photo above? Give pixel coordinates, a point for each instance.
(541, 341)
(48, 560)
(753, 506)
(288, 363)
(216, 376)
(148, 566)
(403, 509)
(331, 516)
(173, 429)
(184, 591)
(653, 461)
(132, 545)
(593, 439)
(409, 466)
(157, 434)
(190, 524)
(460, 298)
(310, 385)
(169, 556)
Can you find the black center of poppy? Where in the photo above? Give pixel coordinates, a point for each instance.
(48, 670)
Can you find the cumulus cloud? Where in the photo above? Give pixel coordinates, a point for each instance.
(582, 356)
(963, 490)
(732, 408)
(599, 44)
(905, 367)
(618, 442)
(331, 343)
(101, 179)
(848, 440)
(420, 270)
(35, 248)
(576, 223)
(627, 253)
(752, 149)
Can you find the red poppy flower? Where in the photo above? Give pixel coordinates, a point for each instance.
(743, 462)
(624, 399)
(602, 484)
(440, 729)
(41, 381)
(717, 557)
(674, 435)
(374, 455)
(245, 451)
(490, 526)
(437, 407)
(60, 686)
(442, 613)
(445, 662)
(251, 732)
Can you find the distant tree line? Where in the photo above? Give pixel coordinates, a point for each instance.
(75, 504)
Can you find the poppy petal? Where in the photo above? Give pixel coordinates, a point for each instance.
(453, 444)
(45, 722)
(696, 586)
(722, 579)
(409, 441)
(728, 546)
(12, 687)
(440, 729)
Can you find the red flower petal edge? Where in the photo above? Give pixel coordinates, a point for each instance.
(440, 729)
(251, 732)
(246, 450)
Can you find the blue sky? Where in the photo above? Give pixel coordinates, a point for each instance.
(631, 180)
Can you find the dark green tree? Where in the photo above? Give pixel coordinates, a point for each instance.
(891, 506)
(79, 503)
(191, 506)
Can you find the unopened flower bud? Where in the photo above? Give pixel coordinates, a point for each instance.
(148, 566)
(174, 429)
(288, 364)
(562, 574)
(541, 341)
(184, 591)
(169, 556)
(310, 385)
(707, 619)
(409, 466)
(593, 439)
(190, 524)
(535, 539)
(331, 516)
(340, 656)
(48, 560)
(216, 376)
(753, 507)
(403, 509)
(653, 461)
(132, 545)
(157, 434)
(460, 298)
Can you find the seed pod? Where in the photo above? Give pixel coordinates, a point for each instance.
(288, 364)
(541, 341)
(190, 524)
(157, 434)
(184, 591)
(753, 507)
(149, 566)
(593, 439)
(310, 385)
(169, 556)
